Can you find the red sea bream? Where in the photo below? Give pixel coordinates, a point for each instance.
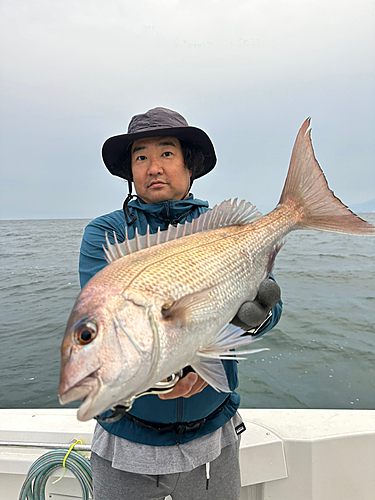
(165, 300)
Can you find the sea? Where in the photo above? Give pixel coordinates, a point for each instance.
(321, 354)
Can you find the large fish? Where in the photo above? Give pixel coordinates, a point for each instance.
(165, 300)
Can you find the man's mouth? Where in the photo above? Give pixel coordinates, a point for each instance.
(157, 183)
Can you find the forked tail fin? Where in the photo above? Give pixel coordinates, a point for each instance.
(306, 189)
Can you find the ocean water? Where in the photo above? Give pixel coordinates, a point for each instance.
(321, 354)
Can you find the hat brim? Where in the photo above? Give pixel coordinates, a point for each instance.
(114, 148)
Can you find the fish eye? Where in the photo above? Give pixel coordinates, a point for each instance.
(86, 332)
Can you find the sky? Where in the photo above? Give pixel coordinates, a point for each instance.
(249, 73)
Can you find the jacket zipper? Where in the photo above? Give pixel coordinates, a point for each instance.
(166, 204)
(179, 417)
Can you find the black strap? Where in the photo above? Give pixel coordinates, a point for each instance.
(130, 218)
(178, 427)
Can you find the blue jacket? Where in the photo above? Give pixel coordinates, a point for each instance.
(151, 408)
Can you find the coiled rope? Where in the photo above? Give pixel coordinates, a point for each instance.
(34, 487)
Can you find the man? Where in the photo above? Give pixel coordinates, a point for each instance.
(184, 443)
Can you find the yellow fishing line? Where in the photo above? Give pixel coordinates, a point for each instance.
(66, 456)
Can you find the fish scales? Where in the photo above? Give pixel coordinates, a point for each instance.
(206, 260)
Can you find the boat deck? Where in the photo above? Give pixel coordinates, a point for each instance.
(285, 454)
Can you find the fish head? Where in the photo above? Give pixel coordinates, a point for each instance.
(107, 351)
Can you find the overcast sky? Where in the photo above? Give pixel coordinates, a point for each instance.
(246, 71)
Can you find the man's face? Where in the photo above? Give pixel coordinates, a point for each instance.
(159, 172)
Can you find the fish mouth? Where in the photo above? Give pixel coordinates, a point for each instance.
(86, 389)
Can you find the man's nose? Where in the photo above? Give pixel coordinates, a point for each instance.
(155, 166)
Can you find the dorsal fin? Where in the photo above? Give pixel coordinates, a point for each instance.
(228, 213)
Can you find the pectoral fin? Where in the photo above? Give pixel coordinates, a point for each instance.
(196, 305)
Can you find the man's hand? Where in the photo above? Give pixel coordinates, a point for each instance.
(189, 385)
(252, 314)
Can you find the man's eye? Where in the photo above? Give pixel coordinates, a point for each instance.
(140, 158)
(167, 153)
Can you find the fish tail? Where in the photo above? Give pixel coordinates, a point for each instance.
(314, 204)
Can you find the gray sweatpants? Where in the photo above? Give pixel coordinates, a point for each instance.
(224, 483)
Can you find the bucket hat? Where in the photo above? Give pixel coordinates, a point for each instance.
(156, 122)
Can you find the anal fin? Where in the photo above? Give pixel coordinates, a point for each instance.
(212, 371)
(207, 362)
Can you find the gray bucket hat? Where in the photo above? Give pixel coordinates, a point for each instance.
(157, 122)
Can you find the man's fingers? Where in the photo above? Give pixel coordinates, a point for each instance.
(197, 387)
(269, 293)
(182, 388)
(252, 314)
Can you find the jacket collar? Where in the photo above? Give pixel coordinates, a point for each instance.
(169, 211)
